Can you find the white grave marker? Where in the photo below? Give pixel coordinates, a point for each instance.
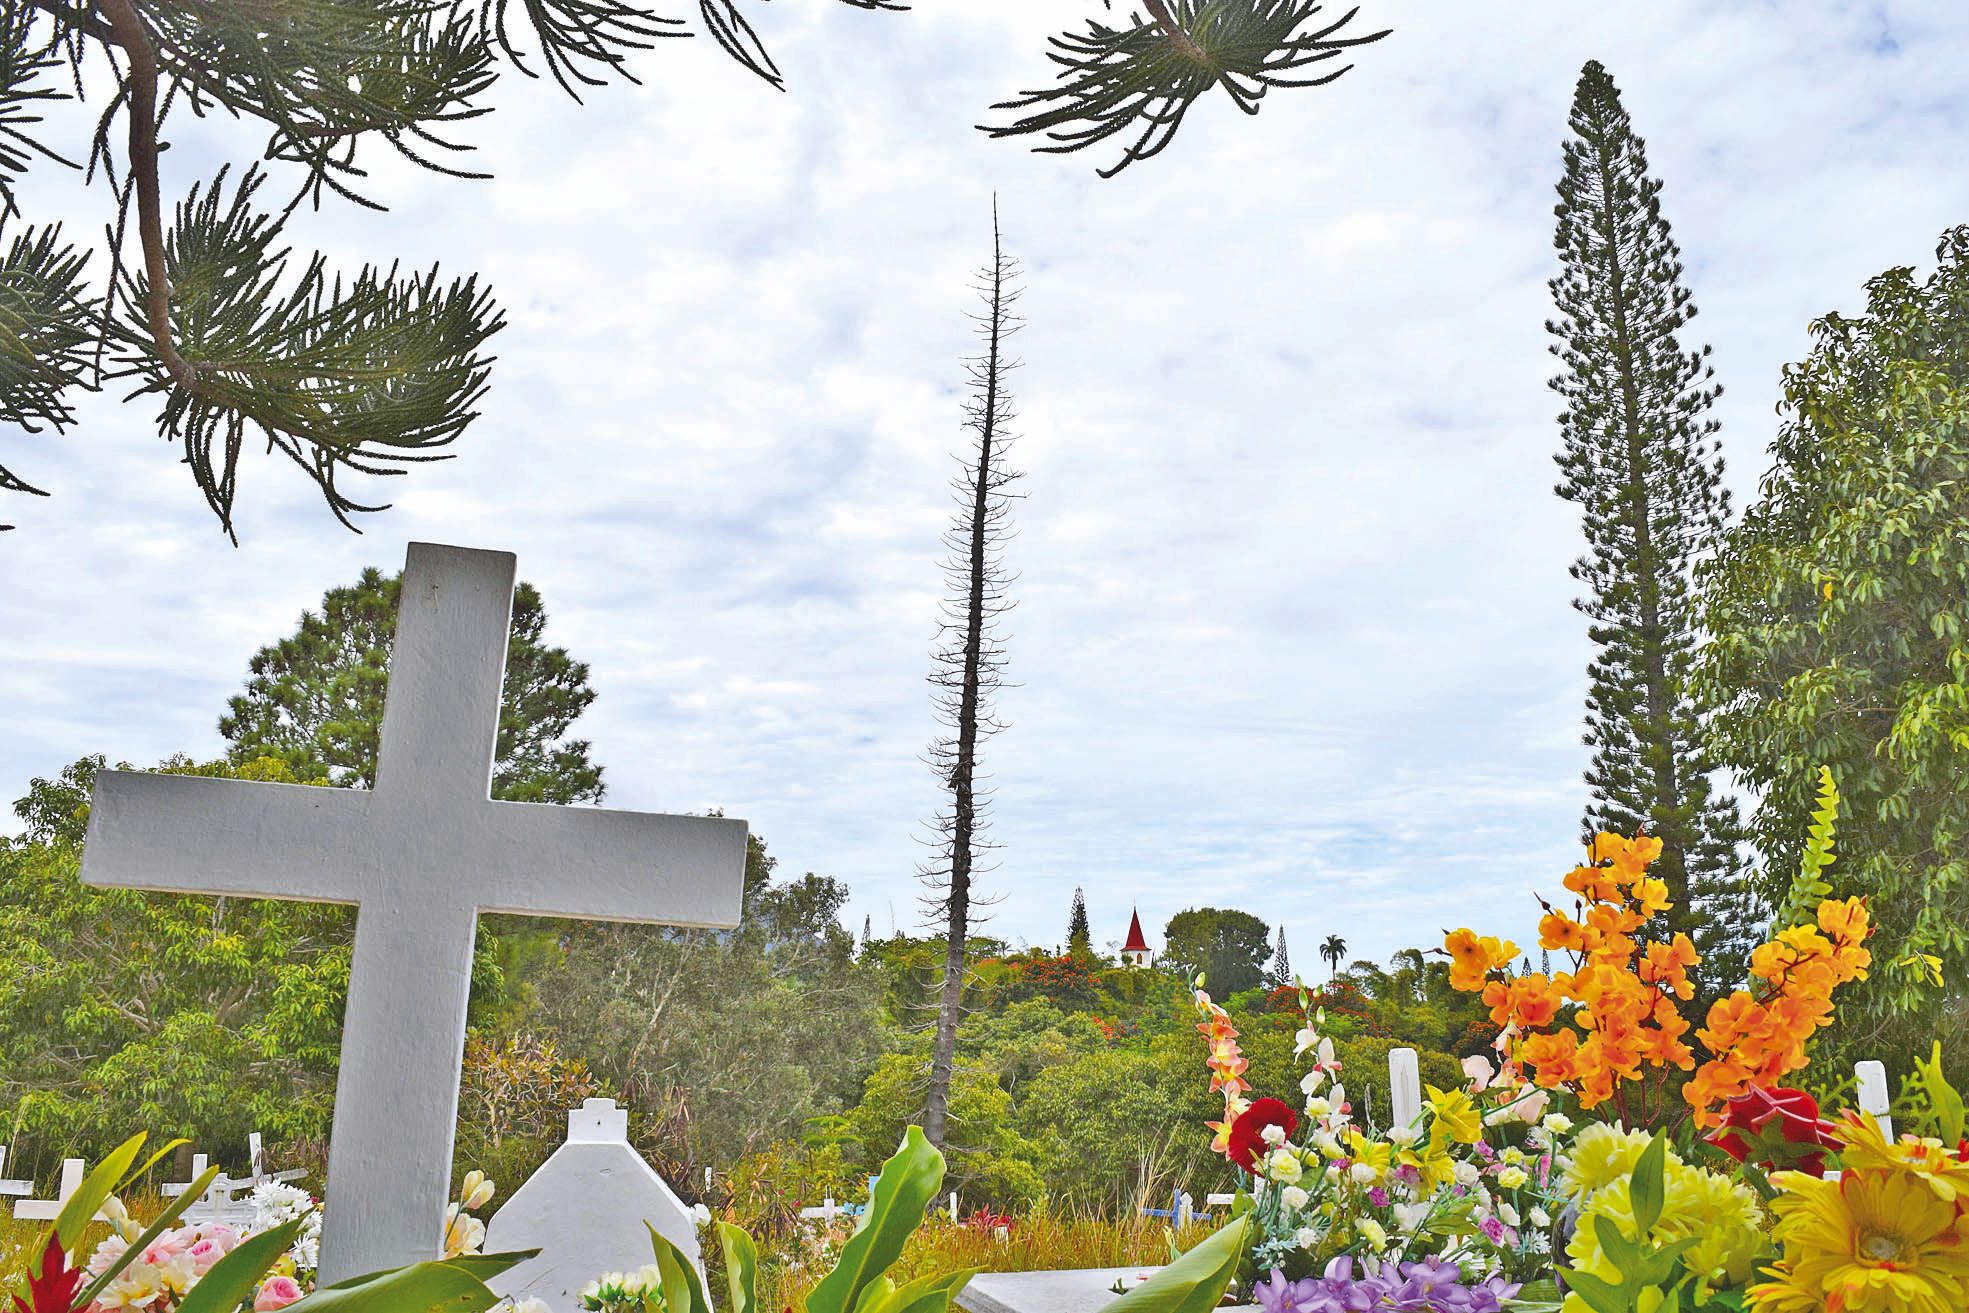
(1871, 1098)
(47, 1210)
(420, 856)
(19, 1189)
(1404, 1087)
(584, 1210)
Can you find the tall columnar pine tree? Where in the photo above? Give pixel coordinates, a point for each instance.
(1281, 963)
(1640, 458)
(1080, 935)
(202, 311)
(970, 654)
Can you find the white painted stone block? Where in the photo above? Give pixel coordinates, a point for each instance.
(1872, 1098)
(584, 1210)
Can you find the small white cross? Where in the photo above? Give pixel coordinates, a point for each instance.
(47, 1210)
(20, 1189)
(421, 856)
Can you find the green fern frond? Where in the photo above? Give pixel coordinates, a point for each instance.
(1809, 887)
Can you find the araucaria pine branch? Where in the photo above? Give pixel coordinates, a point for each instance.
(970, 656)
(1639, 455)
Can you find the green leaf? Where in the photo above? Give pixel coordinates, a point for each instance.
(682, 1291)
(1600, 1295)
(741, 1268)
(909, 1181)
(487, 1266)
(927, 1294)
(1194, 1283)
(1625, 1253)
(231, 1281)
(438, 1287)
(96, 1187)
(1649, 1185)
(1940, 1101)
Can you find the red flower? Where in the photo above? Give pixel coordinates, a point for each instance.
(54, 1286)
(1248, 1131)
(1775, 1128)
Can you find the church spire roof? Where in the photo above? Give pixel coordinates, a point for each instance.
(1135, 944)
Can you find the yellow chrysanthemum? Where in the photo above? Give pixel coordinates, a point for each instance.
(1722, 1217)
(1864, 1149)
(1603, 1154)
(1870, 1242)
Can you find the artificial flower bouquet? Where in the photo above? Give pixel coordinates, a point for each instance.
(265, 1264)
(1601, 1164)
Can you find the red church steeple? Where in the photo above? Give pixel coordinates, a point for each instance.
(1136, 951)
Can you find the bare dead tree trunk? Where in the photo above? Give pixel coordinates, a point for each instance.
(970, 658)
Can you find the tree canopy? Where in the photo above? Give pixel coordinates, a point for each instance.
(314, 700)
(206, 314)
(1228, 947)
(1838, 614)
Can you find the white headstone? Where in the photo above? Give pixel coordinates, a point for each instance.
(1871, 1097)
(421, 856)
(47, 1210)
(584, 1210)
(22, 1189)
(1404, 1087)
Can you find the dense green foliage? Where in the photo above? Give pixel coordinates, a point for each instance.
(192, 1016)
(1839, 613)
(315, 699)
(1639, 456)
(1225, 946)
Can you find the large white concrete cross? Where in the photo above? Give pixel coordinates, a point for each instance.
(420, 856)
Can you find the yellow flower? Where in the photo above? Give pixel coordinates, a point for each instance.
(1870, 1242)
(1866, 1149)
(1456, 1116)
(1722, 1217)
(1603, 1154)
(1376, 1154)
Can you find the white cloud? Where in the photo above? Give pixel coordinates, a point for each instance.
(1293, 626)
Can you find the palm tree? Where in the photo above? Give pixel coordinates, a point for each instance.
(1333, 950)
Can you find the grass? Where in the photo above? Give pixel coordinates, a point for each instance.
(1038, 1241)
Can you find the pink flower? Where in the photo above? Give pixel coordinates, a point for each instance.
(277, 1293)
(1477, 1067)
(205, 1253)
(224, 1236)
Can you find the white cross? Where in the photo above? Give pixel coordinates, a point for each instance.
(47, 1210)
(421, 856)
(20, 1189)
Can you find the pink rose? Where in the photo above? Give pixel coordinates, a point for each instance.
(205, 1253)
(278, 1292)
(224, 1236)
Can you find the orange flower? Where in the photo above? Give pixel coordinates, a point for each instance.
(1557, 930)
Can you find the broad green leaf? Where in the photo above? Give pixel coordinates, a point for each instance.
(1194, 1283)
(192, 1194)
(909, 1181)
(487, 1266)
(97, 1186)
(682, 1292)
(1600, 1295)
(231, 1281)
(874, 1294)
(420, 1288)
(741, 1268)
(1649, 1185)
(929, 1294)
(1625, 1253)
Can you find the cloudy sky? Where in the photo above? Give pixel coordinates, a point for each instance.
(1293, 627)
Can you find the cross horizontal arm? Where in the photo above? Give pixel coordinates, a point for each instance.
(245, 838)
(612, 865)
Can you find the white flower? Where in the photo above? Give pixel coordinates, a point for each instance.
(1557, 1123)
(1410, 1216)
(1317, 1107)
(1305, 1039)
(701, 1215)
(1273, 1135)
(1372, 1232)
(1293, 1198)
(1328, 1144)
(1305, 1237)
(1468, 1173)
(1339, 1095)
(1540, 1218)
(530, 1305)
(1283, 1166)
(1363, 1173)
(1507, 1213)
(1403, 1136)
